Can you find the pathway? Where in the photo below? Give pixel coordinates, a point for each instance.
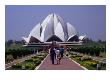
(66, 64)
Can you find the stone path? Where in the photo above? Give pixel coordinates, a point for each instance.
(66, 64)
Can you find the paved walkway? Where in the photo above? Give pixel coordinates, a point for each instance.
(66, 64)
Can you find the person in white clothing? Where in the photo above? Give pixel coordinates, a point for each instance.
(58, 55)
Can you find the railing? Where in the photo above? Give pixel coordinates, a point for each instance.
(48, 43)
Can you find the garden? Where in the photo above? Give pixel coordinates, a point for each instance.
(92, 58)
(30, 58)
(29, 64)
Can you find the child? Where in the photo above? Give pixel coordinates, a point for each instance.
(58, 56)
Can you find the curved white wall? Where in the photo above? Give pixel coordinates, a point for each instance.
(52, 25)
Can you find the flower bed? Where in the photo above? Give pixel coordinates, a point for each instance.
(88, 63)
(29, 64)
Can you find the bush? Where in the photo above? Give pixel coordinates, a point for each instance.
(37, 62)
(87, 62)
(41, 58)
(77, 59)
(89, 50)
(30, 66)
(17, 66)
(18, 52)
(29, 60)
(85, 58)
(74, 56)
(35, 57)
(103, 65)
(9, 58)
(92, 65)
(97, 52)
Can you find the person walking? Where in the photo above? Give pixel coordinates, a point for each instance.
(58, 55)
(52, 52)
(62, 51)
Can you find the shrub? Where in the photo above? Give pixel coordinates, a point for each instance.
(92, 65)
(29, 63)
(97, 51)
(30, 66)
(85, 58)
(17, 66)
(74, 56)
(41, 58)
(19, 52)
(89, 50)
(37, 62)
(103, 66)
(35, 57)
(77, 59)
(29, 60)
(9, 58)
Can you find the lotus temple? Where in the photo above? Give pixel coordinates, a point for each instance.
(53, 28)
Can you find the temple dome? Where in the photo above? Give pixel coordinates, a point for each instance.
(53, 28)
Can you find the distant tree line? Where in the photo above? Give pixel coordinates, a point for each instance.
(18, 52)
(13, 42)
(89, 50)
(89, 40)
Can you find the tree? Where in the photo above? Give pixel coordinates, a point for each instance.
(9, 42)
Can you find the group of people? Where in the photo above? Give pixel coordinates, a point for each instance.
(56, 54)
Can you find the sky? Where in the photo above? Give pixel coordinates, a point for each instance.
(89, 20)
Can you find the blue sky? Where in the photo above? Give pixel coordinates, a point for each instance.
(89, 20)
